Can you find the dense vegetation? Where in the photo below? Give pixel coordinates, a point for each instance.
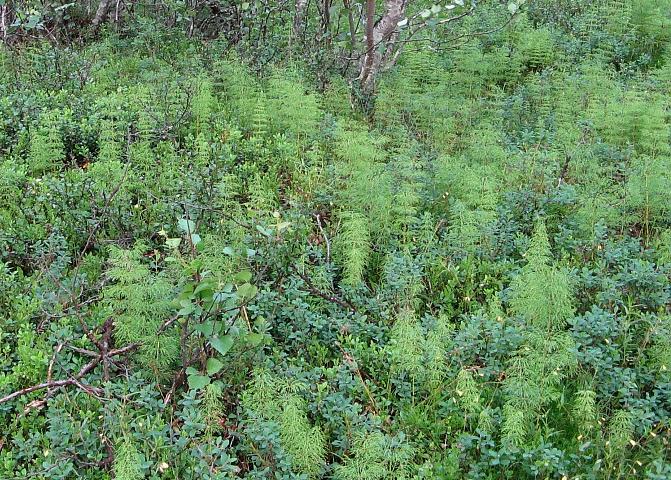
(222, 256)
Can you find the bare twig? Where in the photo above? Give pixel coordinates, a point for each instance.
(326, 239)
(103, 356)
(315, 291)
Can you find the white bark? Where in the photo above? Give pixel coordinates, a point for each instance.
(383, 34)
(102, 12)
(299, 17)
(4, 21)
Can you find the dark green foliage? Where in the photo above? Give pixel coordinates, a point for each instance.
(214, 264)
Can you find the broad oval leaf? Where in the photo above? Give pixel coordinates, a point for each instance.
(213, 366)
(196, 382)
(222, 344)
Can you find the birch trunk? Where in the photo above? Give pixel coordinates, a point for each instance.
(103, 10)
(379, 36)
(299, 18)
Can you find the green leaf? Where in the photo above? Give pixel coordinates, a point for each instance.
(247, 291)
(243, 277)
(283, 226)
(255, 339)
(33, 21)
(196, 382)
(173, 242)
(186, 226)
(202, 286)
(222, 344)
(206, 328)
(264, 231)
(213, 366)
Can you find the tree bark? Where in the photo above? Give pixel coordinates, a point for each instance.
(378, 35)
(299, 18)
(101, 14)
(352, 27)
(5, 20)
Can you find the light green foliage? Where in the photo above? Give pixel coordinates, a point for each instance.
(304, 443)
(649, 189)
(127, 461)
(355, 246)
(660, 352)
(368, 185)
(11, 183)
(32, 358)
(406, 200)
(239, 88)
(375, 456)
(635, 119)
(109, 144)
(142, 156)
(4, 65)
(290, 107)
(47, 152)
(485, 421)
(585, 411)
(203, 151)
(471, 195)
(514, 428)
(140, 302)
(536, 47)
(203, 105)
(407, 345)
(636, 122)
(260, 118)
(263, 192)
(620, 431)
(649, 21)
(108, 174)
(336, 99)
(312, 281)
(467, 392)
(278, 401)
(469, 75)
(542, 293)
(417, 352)
(356, 145)
(213, 408)
(436, 350)
(536, 373)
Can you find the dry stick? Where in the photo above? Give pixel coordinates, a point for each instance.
(73, 380)
(54, 384)
(50, 370)
(326, 239)
(83, 351)
(349, 358)
(97, 226)
(315, 291)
